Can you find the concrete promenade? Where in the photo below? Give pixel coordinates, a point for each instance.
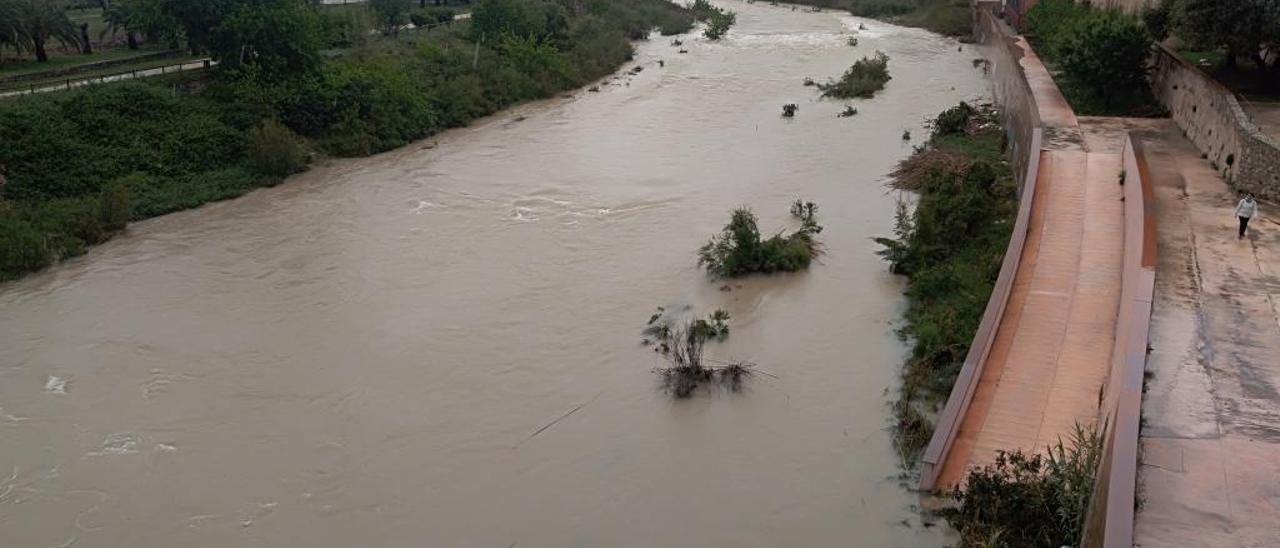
(1053, 347)
(1210, 473)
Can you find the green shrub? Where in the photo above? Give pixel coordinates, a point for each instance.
(718, 20)
(953, 121)
(114, 205)
(867, 76)
(1101, 56)
(738, 250)
(276, 151)
(950, 247)
(1029, 501)
(1107, 57)
(22, 247)
(1049, 22)
(719, 24)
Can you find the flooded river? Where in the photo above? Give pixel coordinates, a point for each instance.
(365, 355)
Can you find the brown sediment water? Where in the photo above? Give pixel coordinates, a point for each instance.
(362, 356)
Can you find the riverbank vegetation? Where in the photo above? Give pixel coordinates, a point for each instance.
(867, 76)
(275, 98)
(738, 250)
(1029, 501)
(1101, 58)
(950, 247)
(947, 17)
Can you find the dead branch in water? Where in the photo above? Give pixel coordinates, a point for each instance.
(553, 423)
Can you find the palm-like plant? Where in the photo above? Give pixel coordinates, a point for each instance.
(10, 34)
(119, 18)
(38, 21)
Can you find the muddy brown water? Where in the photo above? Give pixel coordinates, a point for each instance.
(361, 356)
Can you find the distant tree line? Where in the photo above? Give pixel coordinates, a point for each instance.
(1248, 29)
(31, 25)
(293, 79)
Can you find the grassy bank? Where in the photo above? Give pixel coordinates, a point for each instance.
(76, 163)
(949, 247)
(948, 17)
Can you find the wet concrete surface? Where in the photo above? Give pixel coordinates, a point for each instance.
(1210, 473)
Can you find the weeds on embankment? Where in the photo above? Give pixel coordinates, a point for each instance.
(1029, 501)
(949, 247)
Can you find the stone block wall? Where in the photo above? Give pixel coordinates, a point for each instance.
(1212, 118)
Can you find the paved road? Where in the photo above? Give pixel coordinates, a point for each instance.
(1210, 474)
(168, 69)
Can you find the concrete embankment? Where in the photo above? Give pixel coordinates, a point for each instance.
(1043, 368)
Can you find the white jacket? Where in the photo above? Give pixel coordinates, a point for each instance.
(1246, 208)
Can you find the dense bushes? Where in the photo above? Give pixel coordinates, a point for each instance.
(276, 151)
(1029, 501)
(35, 235)
(950, 248)
(70, 145)
(1102, 56)
(867, 76)
(78, 163)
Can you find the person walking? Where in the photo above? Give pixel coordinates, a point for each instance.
(1245, 210)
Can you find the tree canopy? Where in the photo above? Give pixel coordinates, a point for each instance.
(31, 24)
(1242, 28)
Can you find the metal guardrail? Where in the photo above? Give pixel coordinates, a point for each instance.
(72, 83)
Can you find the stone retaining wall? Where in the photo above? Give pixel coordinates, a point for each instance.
(1212, 118)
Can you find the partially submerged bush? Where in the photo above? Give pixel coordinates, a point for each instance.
(681, 342)
(1031, 501)
(738, 250)
(687, 371)
(718, 20)
(789, 110)
(953, 121)
(867, 76)
(805, 211)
